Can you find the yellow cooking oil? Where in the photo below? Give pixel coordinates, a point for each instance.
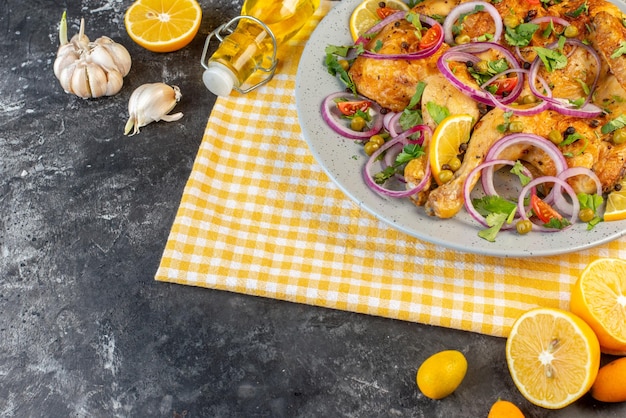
(250, 46)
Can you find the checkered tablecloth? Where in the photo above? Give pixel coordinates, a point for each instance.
(259, 216)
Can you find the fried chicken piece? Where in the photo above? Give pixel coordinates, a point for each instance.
(607, 37)
(438, 90)
(447, 200)
(392, 82)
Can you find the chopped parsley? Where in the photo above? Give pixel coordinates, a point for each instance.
(583, 8)
(412, 116)
(483, 73)
(552, 59)
(437, 112)
(621, 50)
(570, 139)
(614, 124)
(335, 68)
(521, 35)
(409, 152)
(593, 202)
(498, 210)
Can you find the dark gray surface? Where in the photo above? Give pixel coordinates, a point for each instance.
(85, 331)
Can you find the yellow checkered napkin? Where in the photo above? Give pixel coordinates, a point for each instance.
(259, 216)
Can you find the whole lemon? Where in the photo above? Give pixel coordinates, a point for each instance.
(440, 374)
(610, 385)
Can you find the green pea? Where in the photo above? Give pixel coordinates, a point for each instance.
(555, 137)
(377, 139)
(619, 136)
(524, 226)
(445, 176)
(482, 66)
(462, 39)
(344, 64)
(371, 147)
(570, 31)
(528, 99)
(586, 215)
(454, 164)
(357, 123)
(511, 21)
(516, 126)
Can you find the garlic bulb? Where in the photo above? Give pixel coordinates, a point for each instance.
(151, 103)
(90, 69)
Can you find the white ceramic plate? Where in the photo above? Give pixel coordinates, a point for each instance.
(343, 161)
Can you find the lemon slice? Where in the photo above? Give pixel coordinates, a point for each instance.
(553, 357)
(447, 138)
(364, 15)
(163, 25)
(599, 297)
(616, 204)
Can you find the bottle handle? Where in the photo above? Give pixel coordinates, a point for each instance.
(227, 27)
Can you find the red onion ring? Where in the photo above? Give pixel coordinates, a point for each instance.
(554, 153)
(332, 116)
(363, 39)
(400, 139)
(557, 181)
(490, 191)
(547, 19)
(462, 53)
(556, 193)
(469, 7)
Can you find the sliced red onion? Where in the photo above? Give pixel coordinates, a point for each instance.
(464, 53)
(469, 7)
(386, 119)
(394, 128)
(523, 211)
(380, 25)
(553, 152)
(401, 139)
(556, 195)
(333, 117)
(489, 191)
(588, 110)
(547, 19)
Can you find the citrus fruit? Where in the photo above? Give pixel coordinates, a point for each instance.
(163, 25)
(364, 16)
(610, 385)
(440, 374)
(446, 140)
(504, 409)
(616, 204)
(553, 357)
(599, 298)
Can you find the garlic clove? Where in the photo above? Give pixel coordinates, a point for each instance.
(151, 103)
(64, 59)
(111, 55)
(97, 80)
(114, 83)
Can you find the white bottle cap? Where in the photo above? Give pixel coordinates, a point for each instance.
(219, 79)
